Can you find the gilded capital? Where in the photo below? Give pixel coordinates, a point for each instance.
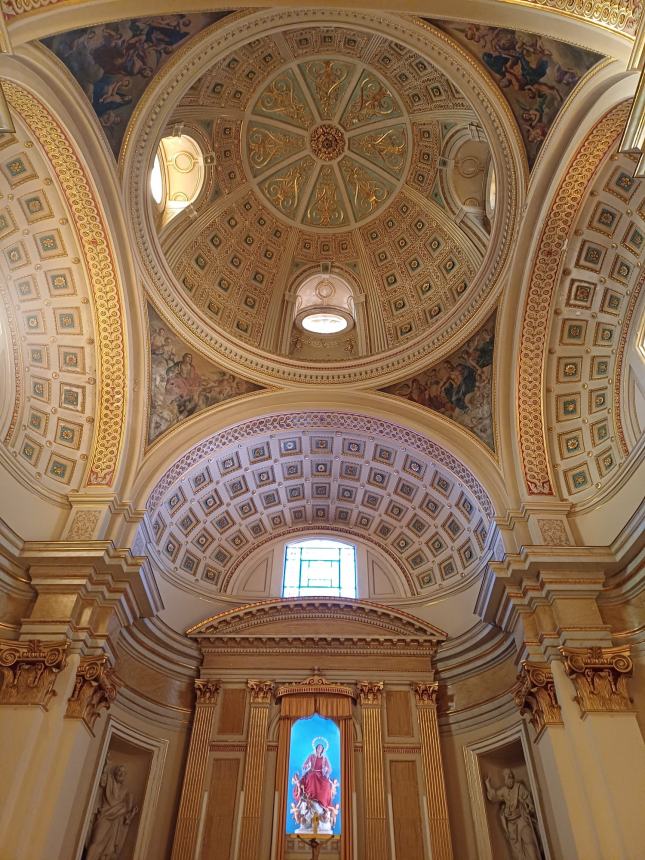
(29, 671)
(94, 690)
(426, 694)
(600, 677)
(369, 692)
(534, 694)
(206, 691)
(260, 691)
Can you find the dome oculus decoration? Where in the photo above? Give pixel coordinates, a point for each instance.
(326, 142)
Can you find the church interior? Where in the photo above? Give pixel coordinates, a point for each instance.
(322, 413)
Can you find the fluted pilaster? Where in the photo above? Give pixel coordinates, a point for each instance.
(370, 697)
(437, 804)
(188, 816)
(250, 831)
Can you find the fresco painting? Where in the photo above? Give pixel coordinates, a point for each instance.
(113, 63)
(536, 74)
(459, 387)
(182, 382)
(314, 781)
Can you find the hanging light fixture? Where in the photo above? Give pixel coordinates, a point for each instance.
(324, 304)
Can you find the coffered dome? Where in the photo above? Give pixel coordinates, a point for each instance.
(332, 143)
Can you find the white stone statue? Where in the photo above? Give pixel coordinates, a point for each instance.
(113, 817)
(517, 813)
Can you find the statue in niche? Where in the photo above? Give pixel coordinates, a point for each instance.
(114, 815)
(517, 813)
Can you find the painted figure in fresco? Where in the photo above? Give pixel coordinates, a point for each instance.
(535, 73)
(517, 813)
(114, 816)
(314, 791)
(460, 386)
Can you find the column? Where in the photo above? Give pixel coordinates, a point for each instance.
(254, 769)
(57, 683)
(184, 846)
(426, 698)
(602, 725)
(375, 824)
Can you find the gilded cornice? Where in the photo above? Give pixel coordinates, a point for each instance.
(543, 281)
(312, 686)
(99, 260)
(247, 621)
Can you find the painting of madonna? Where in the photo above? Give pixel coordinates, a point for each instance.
(314, 776)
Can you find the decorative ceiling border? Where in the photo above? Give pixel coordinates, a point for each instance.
(620, 16)
(189, 63)
(543, 281)
(99, 260)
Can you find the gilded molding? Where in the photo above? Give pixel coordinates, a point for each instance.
(543, 281)
(621, 16)
(600, 677)
(94, 689)
(260, 692)
(99, 259)
(534, 694)
(314, 685)
(426, 694)
(29, 671)
(369, 693)
(206, 692)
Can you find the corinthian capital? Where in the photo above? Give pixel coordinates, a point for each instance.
(426, 694)
(94, 689)
(369, 692)
(600, 677)
(535, 695)
(29, 671)
(206, 691)
(260, 691)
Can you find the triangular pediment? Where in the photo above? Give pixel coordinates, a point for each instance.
(318, 618)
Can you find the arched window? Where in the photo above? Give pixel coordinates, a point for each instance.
(320, 567)
(177, 175)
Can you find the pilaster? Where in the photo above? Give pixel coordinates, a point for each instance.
(261, 694)
(185, 843)
(370, 698)
(426, 699)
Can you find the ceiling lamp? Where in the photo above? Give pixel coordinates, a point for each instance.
(324, 304)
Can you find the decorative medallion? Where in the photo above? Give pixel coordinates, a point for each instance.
(327, 153)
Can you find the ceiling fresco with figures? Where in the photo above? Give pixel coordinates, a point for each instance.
(600, 285)
(460, 387)
(326, 144)
(114, 63)
(49, 307)
(182, 383)
(536, 74)
(337, 472)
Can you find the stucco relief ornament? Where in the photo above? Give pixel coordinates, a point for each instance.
(114, 816)
(369, 692)
(94, 689)
(535, 695)
(206, 691)
(517, 814)
(29, 670)
(600, 677)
